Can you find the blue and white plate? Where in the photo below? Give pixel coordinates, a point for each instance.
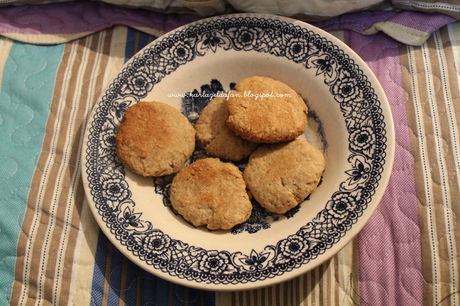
(349, 120)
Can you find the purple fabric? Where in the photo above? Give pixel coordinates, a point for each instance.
(362, 21)
(358, 22)
(91, 16)
(390, 261)
(422, 21)
(83, 16)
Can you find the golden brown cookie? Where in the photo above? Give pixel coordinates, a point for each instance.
(282, 175)
(154, 139)
(264, 110)
(216, 138)
(211, 192)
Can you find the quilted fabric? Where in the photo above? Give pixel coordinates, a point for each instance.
(54, 61)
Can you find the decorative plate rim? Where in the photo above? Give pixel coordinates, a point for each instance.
(371, 153)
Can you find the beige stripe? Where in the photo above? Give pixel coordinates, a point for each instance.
(422, 143)
(5, 47)
(136, 42)
(75, 198)
(226, 298)
(186, 298)
(355, 273)
(85, 236)
(334, 284)
(408, 79)
(53, 228)
(450, 8)
(432, 120)
(45, 38)
(320, 282)
(99, 45)
(287, 293)
(86, 241)
(270, 294)
(347, 275)
(151, 31)
(276, 295)
(250, 299)
(329, 283)
(124, 273)
(47, 224)
(314, 288)
(300, 293)
(81, 284)
(260, 297)
(338, 34)
(71, 193)
(150, 38)
(48, 193)
(306, 289)
(436, 154)
(245, 297)
(452, 53)
(116, 57)
(279, 297)
(450, 159)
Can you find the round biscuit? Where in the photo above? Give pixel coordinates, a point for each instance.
(154, 139)
(265, 110)
(280, 176)
(216, 138)
(211, 192)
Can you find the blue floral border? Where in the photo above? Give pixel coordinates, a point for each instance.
(347, 83)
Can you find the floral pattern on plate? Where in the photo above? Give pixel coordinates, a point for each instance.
(350, 88)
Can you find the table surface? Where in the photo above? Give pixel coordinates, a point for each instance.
(51, 249)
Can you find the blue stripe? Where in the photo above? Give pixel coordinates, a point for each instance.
(100, 262)
(143, 40)
(131, 284)
(115, 277)
(129, 48)
(209, 298)
(194, 297)
(27, 89)
(154, 290)
(178, 295)
(130, 42)
(200, 297)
